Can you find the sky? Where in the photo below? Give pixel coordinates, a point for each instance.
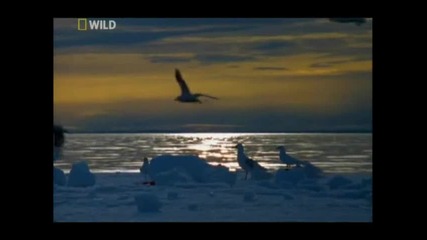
(270, 75)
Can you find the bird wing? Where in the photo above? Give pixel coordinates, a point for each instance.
(204, 95)
(250, 162)
(184, 88)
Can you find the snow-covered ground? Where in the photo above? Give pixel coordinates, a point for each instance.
(197, 192)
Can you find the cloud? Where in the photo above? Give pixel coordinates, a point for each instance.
(124, 79)
(233, 66)
(270, 68)
(329, 63)
(221, 58)
(320, 65)
(160, 59)
(256, 38)
(357, 21)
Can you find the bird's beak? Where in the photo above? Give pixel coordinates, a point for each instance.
(278, 147)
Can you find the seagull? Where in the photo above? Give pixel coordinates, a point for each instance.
(286, 159)
(244, 162)
(145, 169)
(186, 95)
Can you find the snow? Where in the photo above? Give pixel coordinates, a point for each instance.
(80, 175)
(148, 202)
(338, 182)
(249, 197)
(172, 195)
(188, 189)
(193, 207)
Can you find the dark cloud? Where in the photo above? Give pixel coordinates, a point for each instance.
(274, 48)
(320, 65)
(329, 63)
(270, 68)
(323, 45)
(169, 59)
(221, 58)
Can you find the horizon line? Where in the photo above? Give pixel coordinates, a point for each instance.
(184, 132)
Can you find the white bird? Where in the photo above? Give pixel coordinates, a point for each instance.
(186, 96)
(286, 159)
(244, 162)
(145, 169)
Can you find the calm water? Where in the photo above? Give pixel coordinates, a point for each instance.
(334, 153)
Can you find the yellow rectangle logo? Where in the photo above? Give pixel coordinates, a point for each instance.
(82, 24)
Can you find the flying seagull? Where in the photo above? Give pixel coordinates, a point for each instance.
(186, 95)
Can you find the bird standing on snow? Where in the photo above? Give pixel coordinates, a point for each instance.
(186, 96)
(245, 163)
(286, 159)
(145, 170)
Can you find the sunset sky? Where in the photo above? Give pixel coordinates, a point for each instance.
(270, 75)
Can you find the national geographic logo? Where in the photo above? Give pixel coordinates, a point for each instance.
(84, 24)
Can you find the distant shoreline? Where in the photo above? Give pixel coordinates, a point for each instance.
(171, 132)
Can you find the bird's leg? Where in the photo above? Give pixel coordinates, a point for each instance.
(246, 175)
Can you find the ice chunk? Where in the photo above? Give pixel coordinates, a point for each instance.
(80, 175)
(172, 177)
(197, 170)
(59, 177)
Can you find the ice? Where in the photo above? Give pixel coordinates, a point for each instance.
(221, 174)
(172, 177)
(312, 171)
(168, 169)
(80, 175)
(260, 173)
(147, 202)
(59, 177)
